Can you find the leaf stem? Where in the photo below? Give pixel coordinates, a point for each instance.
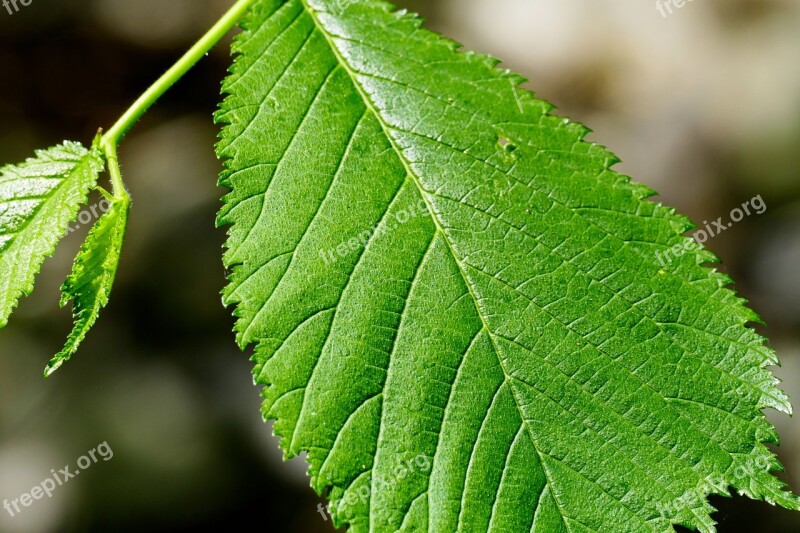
(114, 135)
(114, 172)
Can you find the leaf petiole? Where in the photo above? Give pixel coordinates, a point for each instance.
(109, 141)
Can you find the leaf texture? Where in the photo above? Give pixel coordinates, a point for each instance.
(89, 285)
(456, 304)
(38, 200)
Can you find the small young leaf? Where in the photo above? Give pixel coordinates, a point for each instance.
(38, 200)
(457, 305)
(89, 285)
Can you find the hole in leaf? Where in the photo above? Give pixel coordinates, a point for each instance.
(506, 144)
(507, 148)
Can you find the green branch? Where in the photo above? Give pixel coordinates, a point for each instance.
(113, 136)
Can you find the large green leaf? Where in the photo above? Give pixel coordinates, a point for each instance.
(89, 285)
(38, 200)
(457, 305)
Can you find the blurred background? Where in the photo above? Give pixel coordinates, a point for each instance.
(702, 104)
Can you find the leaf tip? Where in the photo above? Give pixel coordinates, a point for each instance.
(54, 364)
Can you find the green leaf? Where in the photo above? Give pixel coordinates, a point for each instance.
(457, 305)
(89, 285)
(38, 200)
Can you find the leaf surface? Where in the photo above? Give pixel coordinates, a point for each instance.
(89, 285)
(457, 304)
(38, 200)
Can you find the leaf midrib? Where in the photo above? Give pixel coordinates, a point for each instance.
(46, 199)
(110, 255)
(779, 403)
(11, 299)
(412, 175)
(440, 230)
(782, 402)
(508, 377)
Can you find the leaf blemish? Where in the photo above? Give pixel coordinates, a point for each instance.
(506, 144)
(507, 147)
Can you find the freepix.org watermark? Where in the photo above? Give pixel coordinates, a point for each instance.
(13, 6)
(420, 463)
(695, 498)
(331, 255)
(753, 206)
(58, 479)
(665, 7)
(89, 214)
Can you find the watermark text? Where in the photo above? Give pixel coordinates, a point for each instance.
(753, 206)
(58, 479)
